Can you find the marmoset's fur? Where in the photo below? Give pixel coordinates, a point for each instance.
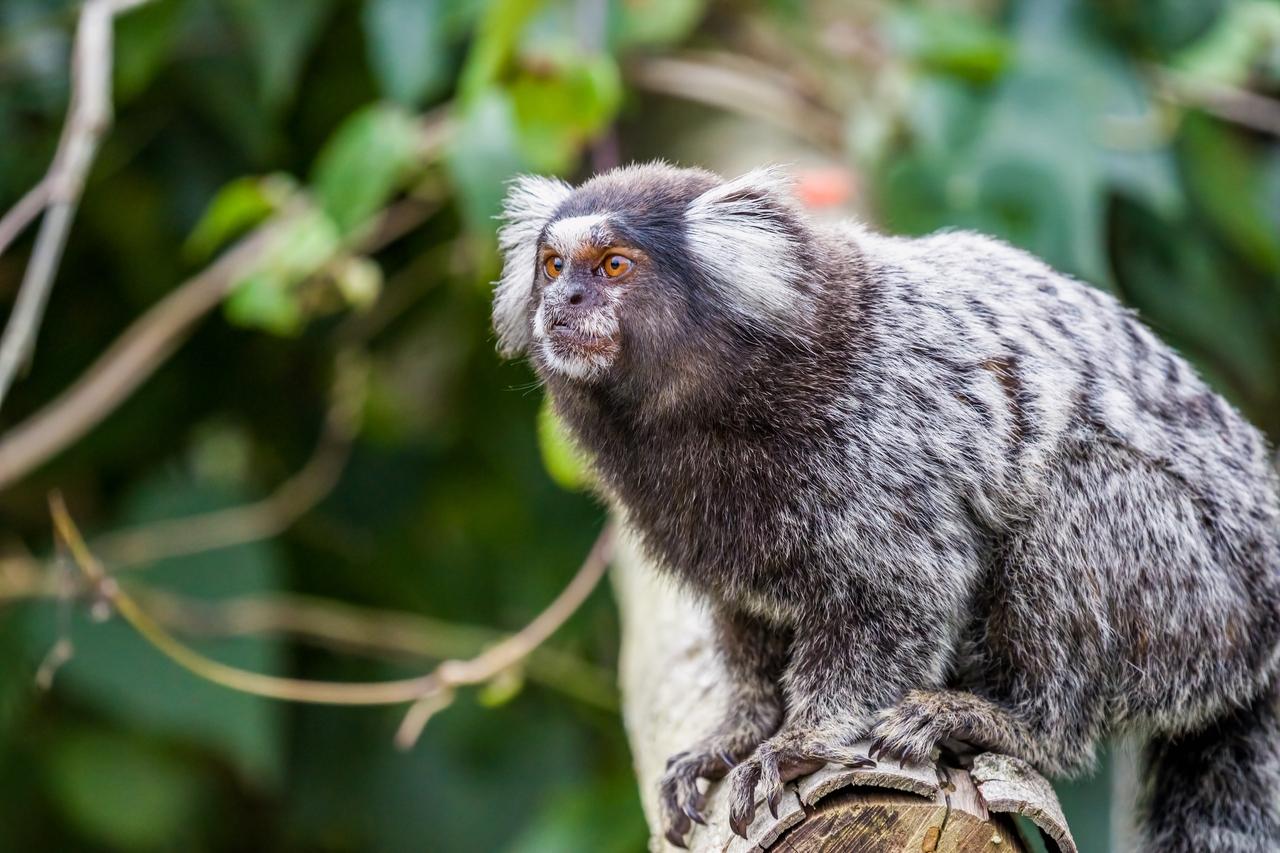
(933, 491)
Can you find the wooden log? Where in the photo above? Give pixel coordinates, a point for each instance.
(670, 676)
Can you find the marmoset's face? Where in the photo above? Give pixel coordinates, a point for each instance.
(586, 274)
(640, 271)
(610, 288)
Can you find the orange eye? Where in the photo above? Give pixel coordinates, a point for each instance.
(616, 265)
(554, 266)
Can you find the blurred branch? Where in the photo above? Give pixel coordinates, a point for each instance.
(399, 293)
(133, 357)
(22, 214)
(1229, 103)
(348, 628)
(428, 692)
(265, 518)
(741, 86)
(518, 646)
(327, 624)
(153, 337)
(58, 193)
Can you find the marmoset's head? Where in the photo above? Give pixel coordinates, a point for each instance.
(646, 267)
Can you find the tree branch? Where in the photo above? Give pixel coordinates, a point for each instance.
(262, 519)
(24, 213)
(515, 648)
(58, 194)
(740, 86)
(1229, 103)
(428, 692)
(327, 624)
(152, 338)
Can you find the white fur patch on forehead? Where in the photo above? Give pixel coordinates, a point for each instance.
(531, 201)
(748, 232)
(566, 235)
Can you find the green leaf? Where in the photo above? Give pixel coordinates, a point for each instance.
(120, 674)
(1225, 176)
(264, 301)
(365, 162)
(641, 23)
(144, 40)
(1158, 27)
(236, 208)
(1039, 162)
(501, 689)
(562, 459)
(483, 154)
(961, 45)
(1241, 37)
(557, 114)
(497, 34)
(1186, 285)
(911, 195)
(407, 48)
(359, 280)
(123, 792)
(267, 296)
(303, 247)
(280, 35)
(1027, 203)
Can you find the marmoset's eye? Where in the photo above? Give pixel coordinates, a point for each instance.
(554, 266)
(616, 265)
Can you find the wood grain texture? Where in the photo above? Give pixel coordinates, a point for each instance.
(855, 820)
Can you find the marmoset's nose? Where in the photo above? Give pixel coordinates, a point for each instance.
(581, 295)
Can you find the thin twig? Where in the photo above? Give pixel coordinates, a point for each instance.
(349, 628)
(152, 338)
(63, 647)
(1229, 103)
(133, 357)
(324, 623)
(425, 691)
(24, 212)
(741, 87)
(262, 519)
(88, 117)
(513, 649)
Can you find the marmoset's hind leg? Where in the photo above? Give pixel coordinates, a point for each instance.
(1040, 641)
(754, 654)
(1114, 604)
(926, 719)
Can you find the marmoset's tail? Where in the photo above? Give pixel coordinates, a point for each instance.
(1217, 789)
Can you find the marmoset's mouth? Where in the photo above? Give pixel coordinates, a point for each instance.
(580, 350)
(584, 344)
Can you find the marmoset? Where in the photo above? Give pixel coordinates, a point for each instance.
(933, 492)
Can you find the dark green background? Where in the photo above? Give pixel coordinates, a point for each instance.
(1087, 132)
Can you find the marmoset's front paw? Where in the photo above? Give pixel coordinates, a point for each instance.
(786, 756)
(711, 758)
(679, 794)
(910, 731)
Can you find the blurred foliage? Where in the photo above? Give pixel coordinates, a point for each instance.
(1082, 131)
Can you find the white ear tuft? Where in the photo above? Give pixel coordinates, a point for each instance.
(531, 201)
(748, 232)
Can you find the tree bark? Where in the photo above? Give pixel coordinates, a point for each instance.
(670, 678)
